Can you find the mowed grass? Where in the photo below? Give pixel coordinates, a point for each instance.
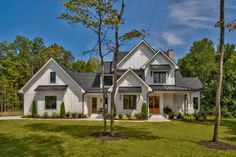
(72, 138)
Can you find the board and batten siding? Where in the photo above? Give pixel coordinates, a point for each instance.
(130, 80)
(159, 60)
(72, 97)
(137, 58)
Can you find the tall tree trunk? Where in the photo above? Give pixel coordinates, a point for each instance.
(120, 16)
(220, 73)
(102, 68)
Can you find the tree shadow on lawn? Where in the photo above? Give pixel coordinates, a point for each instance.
(85, 131)
(29, 145)
(231, 125)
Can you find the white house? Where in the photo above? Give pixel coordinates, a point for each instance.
(144, 76)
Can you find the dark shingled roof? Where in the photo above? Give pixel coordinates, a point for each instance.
(86, 80)
(51, 88)
(160, 67)
(130, 90)
(121, 55)
(190, 82)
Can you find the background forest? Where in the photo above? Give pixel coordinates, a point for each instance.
(23, 57)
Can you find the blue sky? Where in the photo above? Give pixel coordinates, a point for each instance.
(171, 23)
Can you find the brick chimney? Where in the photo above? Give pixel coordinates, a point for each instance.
(170, 53)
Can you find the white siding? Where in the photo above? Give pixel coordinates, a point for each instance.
(160, 59)
(130, 80)
(72, 97)
(137, 58)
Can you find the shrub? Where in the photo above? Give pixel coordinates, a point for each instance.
(179, 116)
(55, 115)
(171, 115)
(81, 115)
(188, 117)
(144, 111)
(167, 110)
(62, 110)
(75, 114)
(45, 115)
(138, 116)
(210, 118)
(120, 116)
(27, 116)
(68, 114)
(34, 110)
(227, 115)
(128, 116)
(197, 116)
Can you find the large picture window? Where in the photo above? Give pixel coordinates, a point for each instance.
(195, 103)
(52, 77)
(159, 77)
(108, 80)
(129, 101)
(50, 102)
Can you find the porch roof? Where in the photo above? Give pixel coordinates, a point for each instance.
(51, 88)
(130, 90)
(170, 88)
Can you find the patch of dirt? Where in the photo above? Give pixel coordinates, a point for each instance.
(217, 145)
(108, 136)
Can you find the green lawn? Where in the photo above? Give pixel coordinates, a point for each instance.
(72, 138)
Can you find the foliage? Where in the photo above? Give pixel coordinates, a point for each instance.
(210, 118)
(34, 109)
(189, 117)
(171, 115)
(68, 114)
(179, 116)
(55, 115)
(62, 110)
(167, 110)
(45, 115)
(128, 116)
(120, 116)
(75, 115)
(144, 111)
(201, 62)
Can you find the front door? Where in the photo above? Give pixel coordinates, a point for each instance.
(94, 105)
(154, 104)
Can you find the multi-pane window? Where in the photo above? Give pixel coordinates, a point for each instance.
(159, 77)
(50, 102)
(129, 101)
(195, 103)
(52, 77)
(108, 80)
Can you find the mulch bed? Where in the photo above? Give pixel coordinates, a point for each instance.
(107, 136)
(218, 145)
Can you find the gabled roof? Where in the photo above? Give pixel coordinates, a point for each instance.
(130, 52)
(164, 54)
(65, 70)
(130, 70)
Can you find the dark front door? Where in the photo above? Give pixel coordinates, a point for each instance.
(94, 105)
(154, 104)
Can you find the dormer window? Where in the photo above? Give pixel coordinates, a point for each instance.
(159, 77)
(108, 80)
(52, 77)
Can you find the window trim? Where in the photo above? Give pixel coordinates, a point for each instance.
(129, 99)
(53, 72)
(112, 80)
(195, 98)
(159, 77)
(51, 105)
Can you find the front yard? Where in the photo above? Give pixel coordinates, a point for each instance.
(72, 138)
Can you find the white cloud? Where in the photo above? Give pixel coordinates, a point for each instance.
(195, 14)
(172, 39)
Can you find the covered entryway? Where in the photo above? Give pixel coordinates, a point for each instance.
(154, 104)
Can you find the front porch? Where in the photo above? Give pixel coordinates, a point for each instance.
(177, 101)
